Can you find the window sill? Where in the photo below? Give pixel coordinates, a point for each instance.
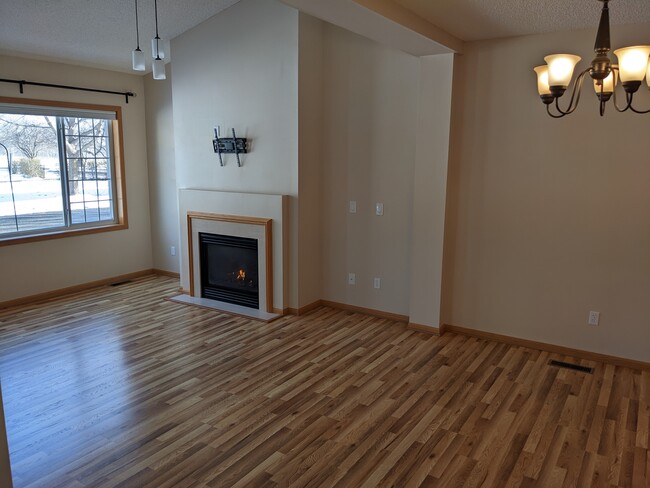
(47, 236)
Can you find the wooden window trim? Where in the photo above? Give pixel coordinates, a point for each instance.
(118, 163)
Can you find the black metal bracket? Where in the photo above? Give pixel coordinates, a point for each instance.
(21, 86)
(229, 145)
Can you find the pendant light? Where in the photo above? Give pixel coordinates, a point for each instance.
(159, 54)
(137, 56)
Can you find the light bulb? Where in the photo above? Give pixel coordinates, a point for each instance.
(609, 84)
(138, 60)
(560, 68)
(158, 48)
(542, 80)
(159, 69)
(633, 62)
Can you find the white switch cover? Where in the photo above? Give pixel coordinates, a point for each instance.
(594, 318)
(353, 206)
(379, 209)
(377, 283)
(172, 250)
(352, 279)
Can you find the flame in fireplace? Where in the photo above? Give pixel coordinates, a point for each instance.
(241, 276)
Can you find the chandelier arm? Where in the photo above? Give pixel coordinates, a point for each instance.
(548, 111)
(628, 98)
(638, 111)
(575, 95)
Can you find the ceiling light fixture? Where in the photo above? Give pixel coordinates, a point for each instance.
(158, 53)
(137, 55)
(554, 78)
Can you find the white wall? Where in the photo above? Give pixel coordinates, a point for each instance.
(310, 151)
(430, 188)
(163, 196)
(39, 267)
(370, 95)
(240, 69)
(548, 219)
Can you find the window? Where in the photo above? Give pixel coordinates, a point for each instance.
(60, 170)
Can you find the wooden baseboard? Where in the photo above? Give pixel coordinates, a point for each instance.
(367, 311)
(171, 274)
(40, 297)
(543, 346)
(426, 328)
(303, 310)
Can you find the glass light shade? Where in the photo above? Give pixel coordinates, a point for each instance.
(542, 80)
(159, 50)
(560, 68)
(159, 70)
(609, 83)
(647, 76)
(138, 60)
(633, 62)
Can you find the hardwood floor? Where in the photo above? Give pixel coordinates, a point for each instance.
(119, 387)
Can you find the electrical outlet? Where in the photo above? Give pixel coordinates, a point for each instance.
(379, 209)
(172, 250)
(594, 318)
(353, 206)
(377, 283)
(352, 279)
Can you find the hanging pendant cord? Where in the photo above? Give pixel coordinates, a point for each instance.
(155, 7)
(137, 28)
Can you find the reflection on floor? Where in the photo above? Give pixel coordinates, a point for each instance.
(119, 387)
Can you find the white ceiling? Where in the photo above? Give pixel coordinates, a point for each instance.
(101, 33)
(472, 20)
(98, 33)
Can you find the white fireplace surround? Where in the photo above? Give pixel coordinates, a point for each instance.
(254, 206)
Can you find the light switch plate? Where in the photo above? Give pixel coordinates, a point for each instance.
(353, 206)
(379, 209)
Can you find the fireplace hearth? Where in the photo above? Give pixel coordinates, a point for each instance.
(229, 269)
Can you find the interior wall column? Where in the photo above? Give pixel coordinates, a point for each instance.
(430, 189)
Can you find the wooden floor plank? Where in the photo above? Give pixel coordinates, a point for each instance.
(119, 387)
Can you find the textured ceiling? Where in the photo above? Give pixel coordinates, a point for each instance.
(472, 20)
(95, 32)
(101, 33)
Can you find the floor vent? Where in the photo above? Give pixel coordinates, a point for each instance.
(577, 367)
(120, 283)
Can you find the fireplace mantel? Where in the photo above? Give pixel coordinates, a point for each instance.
(239, 226)
(249, 208)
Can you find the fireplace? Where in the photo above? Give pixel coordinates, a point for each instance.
(229, 269)
(235, 247)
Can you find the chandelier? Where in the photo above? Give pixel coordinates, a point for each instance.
(554, 78)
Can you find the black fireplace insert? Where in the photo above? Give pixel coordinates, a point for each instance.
(229, 269)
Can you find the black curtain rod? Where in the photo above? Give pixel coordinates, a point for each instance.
(22, 83)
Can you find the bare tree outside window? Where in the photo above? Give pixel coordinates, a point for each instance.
(61, 172)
